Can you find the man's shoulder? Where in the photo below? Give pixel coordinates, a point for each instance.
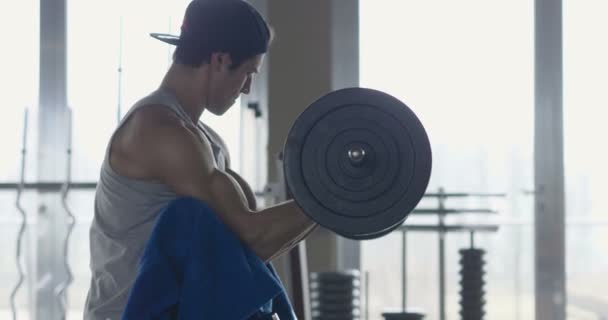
(153, 116)
(150, 136)
(158, 127)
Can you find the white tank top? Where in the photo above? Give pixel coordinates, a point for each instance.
(125, 213)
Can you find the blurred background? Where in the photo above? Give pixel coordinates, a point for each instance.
(511, 93)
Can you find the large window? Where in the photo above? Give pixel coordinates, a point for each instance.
(112, 62)
(466, 69)
(18, 79)
(585, 111)
(19, 86)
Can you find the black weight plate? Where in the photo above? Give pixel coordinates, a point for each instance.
(379, 234)
(333, 298)
(334, 307)
(402, 316)
(347, 313)
(341, 302)
(336, 275)
(357, 200)
(354, 282)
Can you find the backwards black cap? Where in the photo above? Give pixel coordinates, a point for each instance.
(232, 26)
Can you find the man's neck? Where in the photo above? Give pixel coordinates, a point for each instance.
(181, 81)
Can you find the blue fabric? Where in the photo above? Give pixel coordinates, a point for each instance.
(194, 267)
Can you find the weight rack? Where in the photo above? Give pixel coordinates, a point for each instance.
(442, 229)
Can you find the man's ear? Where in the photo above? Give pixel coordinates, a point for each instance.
(220, 60)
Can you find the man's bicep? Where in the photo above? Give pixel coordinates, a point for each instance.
(186, 165)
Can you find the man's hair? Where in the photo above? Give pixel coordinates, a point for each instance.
(228, 26)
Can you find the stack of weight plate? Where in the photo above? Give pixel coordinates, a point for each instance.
(472, 293)
(403, 316)
(335, 295)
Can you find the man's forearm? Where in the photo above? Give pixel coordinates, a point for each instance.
(295, 242)
(252, 205)
(285, 226)
(264, 231)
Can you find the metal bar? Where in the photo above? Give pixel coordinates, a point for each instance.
(464, 195)
(434, 195)
(450, 228)
(57, 186)
(549, 189)
(23, 218)
(47, 267)
(119, 69)
(299, 278)
(404, 270)
(441, 222)
(71, 220)
(472, 239)
(448, 211)
(48, 186)
(366, 295)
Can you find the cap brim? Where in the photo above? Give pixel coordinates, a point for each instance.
(166, 38)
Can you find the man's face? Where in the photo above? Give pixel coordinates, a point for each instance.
(228, 84)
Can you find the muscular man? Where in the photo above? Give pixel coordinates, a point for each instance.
(161, 151)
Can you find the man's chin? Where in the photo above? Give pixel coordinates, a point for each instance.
(219, 112)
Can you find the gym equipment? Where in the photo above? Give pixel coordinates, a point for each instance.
(22, 214)
(442, 229)
(335, 295)
(402, 316)
(61, 288)
(64, 189)
(357, 161)
(471, 293)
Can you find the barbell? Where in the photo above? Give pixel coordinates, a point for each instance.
(357, 161)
